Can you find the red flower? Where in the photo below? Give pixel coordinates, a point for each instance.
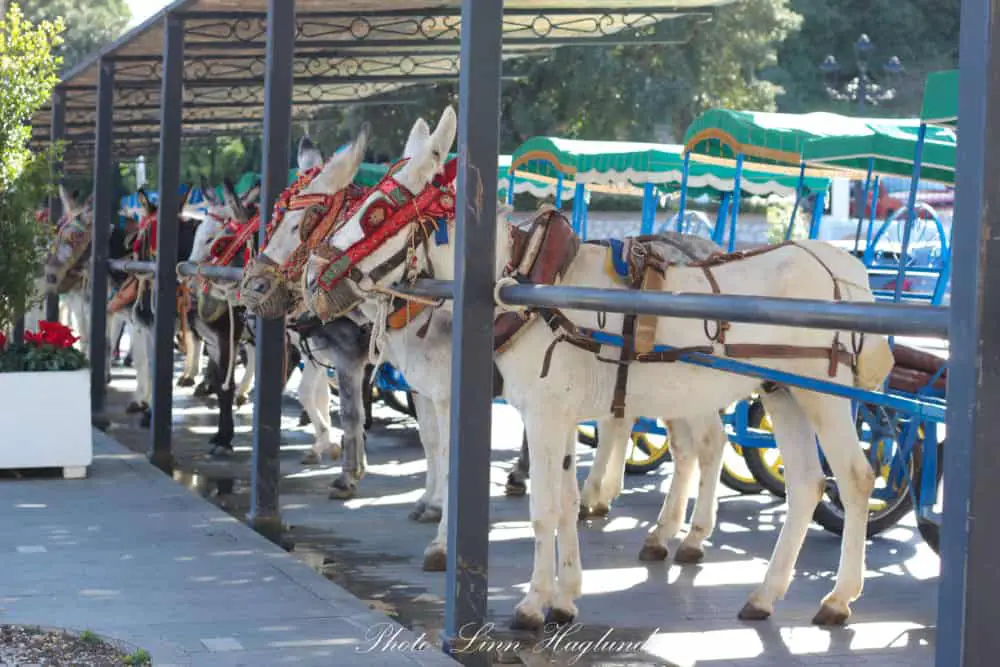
(3, 340)
(51, 333)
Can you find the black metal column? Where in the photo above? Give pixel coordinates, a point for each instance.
(966, 631)
(168, 219)
(472, 328)
(104, 180)
(58, 133)
(269, 380)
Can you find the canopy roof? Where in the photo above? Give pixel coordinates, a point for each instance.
(941, 99)
(891, 144)
(347, 51)
(764, 137)
(620, 163)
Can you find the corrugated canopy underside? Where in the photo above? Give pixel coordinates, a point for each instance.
(346, 51)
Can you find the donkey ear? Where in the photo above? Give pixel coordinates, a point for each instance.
(144, 201)
(252, 196)
(188, 188)
(208, 192)
(444, 134)
(68, 200)
(309, 155)
(233, 202)
(419, 134)
(340, 170)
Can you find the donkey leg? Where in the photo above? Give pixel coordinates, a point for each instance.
(569, 586)
(855, 481)
(805, 483)
(710, 441)
(246, 382)
(547, 431)
(606, 477)
(310, 396)
(350, 373)
(517, 479)
(436, 553)
(671, 516)
(428, 434)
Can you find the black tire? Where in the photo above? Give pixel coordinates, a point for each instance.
(738, 484)
(392, 401)
(754, 456)
(829, 511)
(641, 442)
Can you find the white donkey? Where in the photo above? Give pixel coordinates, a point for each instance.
(557, 384)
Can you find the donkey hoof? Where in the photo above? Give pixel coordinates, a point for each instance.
(828, 615)
(341, 490)
(128, 361)
(311, 458)
(240, 400)
(523, 620)
(600, 510)
(203, 390)
(134, 407)
(689, 555)
(417, 511)
(515, 488)
(559, 617)
(304, 418)
(185, 382)
(435, 561)
(650, 553)
(752, 612)
(221, 451)
(430, 515)
(147, 419)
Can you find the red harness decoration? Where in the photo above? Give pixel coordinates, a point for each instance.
(385, 217)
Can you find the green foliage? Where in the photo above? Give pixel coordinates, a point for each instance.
(28, 69)
(923, 33)
(89, 25)
(29, 358)
(138, 658)
(89, 637)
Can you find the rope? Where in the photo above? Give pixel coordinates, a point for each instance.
(501, 304)
(378, 342)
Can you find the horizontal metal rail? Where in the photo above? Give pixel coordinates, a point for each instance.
(875, 318)
(221, 273)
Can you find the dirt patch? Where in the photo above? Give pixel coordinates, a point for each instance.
(31, 645)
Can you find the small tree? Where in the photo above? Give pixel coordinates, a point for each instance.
(28, 73)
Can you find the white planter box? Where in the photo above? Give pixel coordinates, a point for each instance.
(45, 421)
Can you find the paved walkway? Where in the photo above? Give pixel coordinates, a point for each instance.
(368, 546)
(131, 555)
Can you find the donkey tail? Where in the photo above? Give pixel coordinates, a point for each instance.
(874, 362)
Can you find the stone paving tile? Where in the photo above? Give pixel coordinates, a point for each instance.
(127, 559)
(367, 546)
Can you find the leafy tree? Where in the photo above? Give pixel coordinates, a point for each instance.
(89, 25)
(28, 68)
(922, 33)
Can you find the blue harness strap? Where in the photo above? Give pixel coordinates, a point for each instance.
(441, 233)
(617, 259)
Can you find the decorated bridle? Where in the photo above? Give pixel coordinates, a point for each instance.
(384, 217)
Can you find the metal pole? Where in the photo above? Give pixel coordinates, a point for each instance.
(799, 189)
(264, 513)
(876, 318)
(869, 251)
(966, 630)
(911, 213)
(734, 213)
(685, 172)
(58, 133)
(472, 328)
(648, 209)
(104, 179)
(864, 204)
(580, 210)
(168, 214)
